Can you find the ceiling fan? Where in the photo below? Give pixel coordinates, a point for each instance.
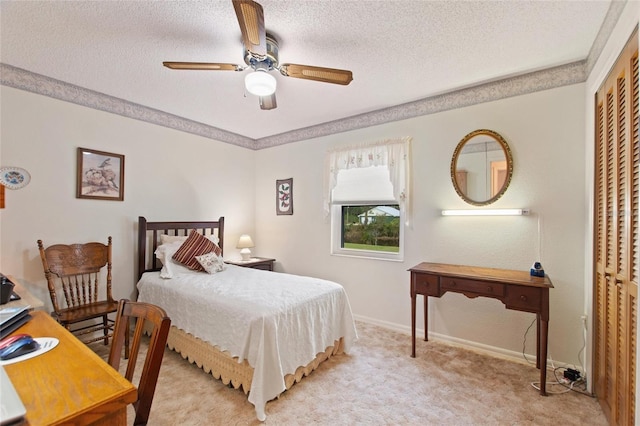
(261, 55)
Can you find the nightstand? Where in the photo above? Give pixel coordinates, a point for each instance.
(264, 263)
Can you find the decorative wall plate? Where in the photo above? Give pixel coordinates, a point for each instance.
(14, 177)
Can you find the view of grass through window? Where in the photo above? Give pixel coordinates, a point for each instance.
(371, 227)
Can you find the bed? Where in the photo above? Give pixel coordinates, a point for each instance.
(256, 330)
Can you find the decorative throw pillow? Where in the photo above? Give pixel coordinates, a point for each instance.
(195, 245)
(211, 262)
(168, 239)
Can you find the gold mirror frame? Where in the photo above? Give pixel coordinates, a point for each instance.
(509, 167)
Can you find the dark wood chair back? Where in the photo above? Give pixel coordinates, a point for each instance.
(157, 323)
(79, 281)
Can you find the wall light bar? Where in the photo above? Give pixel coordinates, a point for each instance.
(486, 212)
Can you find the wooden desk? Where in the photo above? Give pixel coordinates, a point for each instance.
(518, 290)
(70, 384)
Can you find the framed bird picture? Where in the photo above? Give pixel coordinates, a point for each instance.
(100, 175)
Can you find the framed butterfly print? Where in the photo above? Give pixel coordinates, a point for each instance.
(284, 196)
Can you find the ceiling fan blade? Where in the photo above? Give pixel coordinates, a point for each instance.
(251, 20)
(202, 66)
(268, 102)
(326, 75)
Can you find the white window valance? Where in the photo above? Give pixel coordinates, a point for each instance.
(395, 154)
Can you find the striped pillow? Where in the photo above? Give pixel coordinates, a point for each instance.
(195, 245)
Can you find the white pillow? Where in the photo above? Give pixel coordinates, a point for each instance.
(164, 253)
(168, 239)
(211, 262)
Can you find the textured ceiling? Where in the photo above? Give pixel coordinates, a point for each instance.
(399, 51)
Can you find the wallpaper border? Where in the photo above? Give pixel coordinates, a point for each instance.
(540, 80)
(532, 82)
(42, 85)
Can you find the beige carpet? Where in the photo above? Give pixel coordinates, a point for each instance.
(378, 383)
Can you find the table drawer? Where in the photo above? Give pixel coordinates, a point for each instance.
(481, 288)
(263, 266)
(524, 298)
(425, 284)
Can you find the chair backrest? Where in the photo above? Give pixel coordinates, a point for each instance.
(76, 269)
(156, 317)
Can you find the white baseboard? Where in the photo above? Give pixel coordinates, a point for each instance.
(466, 344)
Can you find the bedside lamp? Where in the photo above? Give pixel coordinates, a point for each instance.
(245, 243)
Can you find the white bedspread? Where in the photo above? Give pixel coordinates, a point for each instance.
(276, 321)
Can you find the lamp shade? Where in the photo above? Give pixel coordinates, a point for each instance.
(260, 83)
(245, 241)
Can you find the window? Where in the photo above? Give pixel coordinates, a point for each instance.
(367, 199)
(371, 227)
(357, 231)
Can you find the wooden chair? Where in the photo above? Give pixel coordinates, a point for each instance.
(153, 316)
(76, 271)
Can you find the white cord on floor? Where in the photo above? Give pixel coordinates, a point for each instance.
(552, 367)
(524, 342)
(536, 385)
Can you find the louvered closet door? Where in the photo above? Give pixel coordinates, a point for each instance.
(616, 238)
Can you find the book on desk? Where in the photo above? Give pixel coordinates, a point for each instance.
(13, 318)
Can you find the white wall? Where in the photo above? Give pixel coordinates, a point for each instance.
(169, 175)
(545, 131)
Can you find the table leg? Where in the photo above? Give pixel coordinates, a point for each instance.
(537, 340)
(426, 323)
(542, 354)
(413, 325)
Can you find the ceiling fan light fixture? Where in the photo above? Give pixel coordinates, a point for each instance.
(260, 83)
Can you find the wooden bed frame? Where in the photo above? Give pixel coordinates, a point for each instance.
(149, 238)
(212, 360)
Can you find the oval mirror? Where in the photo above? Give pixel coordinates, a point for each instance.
(481, 167)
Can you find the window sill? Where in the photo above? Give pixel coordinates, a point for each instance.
(369, 255)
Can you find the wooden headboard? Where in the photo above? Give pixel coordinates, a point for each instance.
(149, 238)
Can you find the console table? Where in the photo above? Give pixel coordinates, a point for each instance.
(518, 290)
